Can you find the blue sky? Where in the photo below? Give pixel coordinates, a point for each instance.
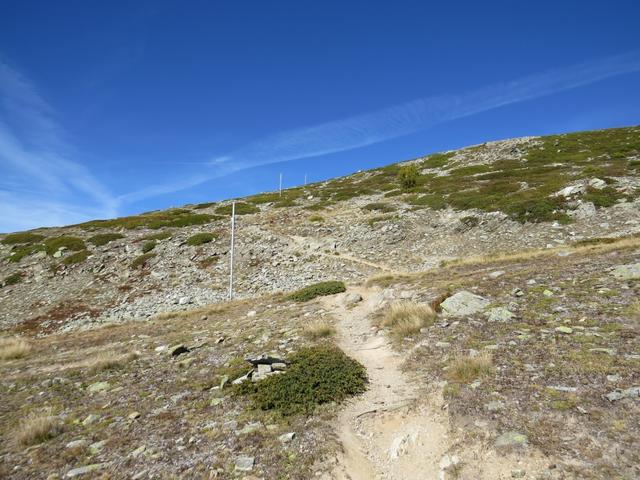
(113, 108)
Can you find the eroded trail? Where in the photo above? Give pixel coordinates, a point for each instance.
(385, 435)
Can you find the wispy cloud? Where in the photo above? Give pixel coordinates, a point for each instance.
(40, 184)
(399, 120)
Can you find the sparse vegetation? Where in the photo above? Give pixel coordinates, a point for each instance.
(52, 245)
(316, 219)
(13, 347)
(379, 207)
(408, 176)
(25, 251)
(319, 329)
(12, 279)
(316, 375)
(102, 239)
(157, 236)
(38, 427)
(176, 218)
(317, 290)
(466, 368)
(142, 260)
(106, 361)
(75, 258)
(242, 208)
(407, 318)
(201, 238)
(148, 246)
(22, 238)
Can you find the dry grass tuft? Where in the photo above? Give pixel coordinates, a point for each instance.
(319, 329)
(11, 348)
(407, 318)
(465, 368)
(38, 427)
(108, 361)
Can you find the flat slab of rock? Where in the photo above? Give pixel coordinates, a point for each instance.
(499, 314)
(244, 464)
(512, 439)
(627, 272)
(352, 298)
(463, 303)
(633, 392)
(77, 472)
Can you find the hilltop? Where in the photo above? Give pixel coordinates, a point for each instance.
(489, 301)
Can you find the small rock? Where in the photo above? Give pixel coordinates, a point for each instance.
(621, 394)
(519, 473)
(511, 439)
(184, 300)
(252, 313)
(496, 274)
(352, 298)
(91, 418)
(244, 464)
(133, 415)
(547, 293)
(76, 443)
(627, 272)
(98, 387)
(178, 350)
(76, 472)
(499, 314)
(138, 451)
(494, 406)
(97, 446)
(517, 292)
(287, 437)
(564, 329)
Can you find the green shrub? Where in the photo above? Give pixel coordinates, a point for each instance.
(157, 236)
(436, 202)
(148, 246)
(200, 206)
(178, 217)
(104, 238)
(201, 238)
(317, 290)
(379, 207)
(242, 208)
(52, 245)
(437, 160)
(316, 219)
(13, 279)
(77, 257)
(408, 176)
(22, 252)
(142, 260)
(21, 238)
(315, 376)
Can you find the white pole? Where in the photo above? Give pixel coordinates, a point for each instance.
(305, 179)
(233, 236)
(280, 184)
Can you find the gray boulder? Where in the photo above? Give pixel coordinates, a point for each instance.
(627, 272)
(463, 303)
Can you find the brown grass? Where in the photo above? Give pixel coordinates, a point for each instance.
(108, 361)
(407, 318)
(11, 348)
(319, 329)
(38, 427)
(465, 368)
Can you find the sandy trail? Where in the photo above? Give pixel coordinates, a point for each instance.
(394, 431)
(383, 434)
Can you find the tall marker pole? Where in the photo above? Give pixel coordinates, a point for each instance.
(305, 179)
(233, 237)
(280, 184)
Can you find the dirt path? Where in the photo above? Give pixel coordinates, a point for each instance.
(394, 431)
(384, 435)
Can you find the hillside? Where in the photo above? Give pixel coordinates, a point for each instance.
(491, 296)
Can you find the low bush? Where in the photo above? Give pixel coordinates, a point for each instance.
(12, 279)
(315, 376)
(148, 246)
(408, 176)
(106, 361)
(201, 238)
(142, 260)
(379, 207)
(317, 290)
(52, 245)
(22, 238)
(407, 318)
(13, 347)
(316, 219)
(77, 257)
(465, 368)
(25, 251)
(242, 208)
(104, 238)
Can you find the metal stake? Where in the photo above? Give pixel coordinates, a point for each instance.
(233, 235)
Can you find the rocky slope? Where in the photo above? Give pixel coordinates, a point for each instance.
(528, 247)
